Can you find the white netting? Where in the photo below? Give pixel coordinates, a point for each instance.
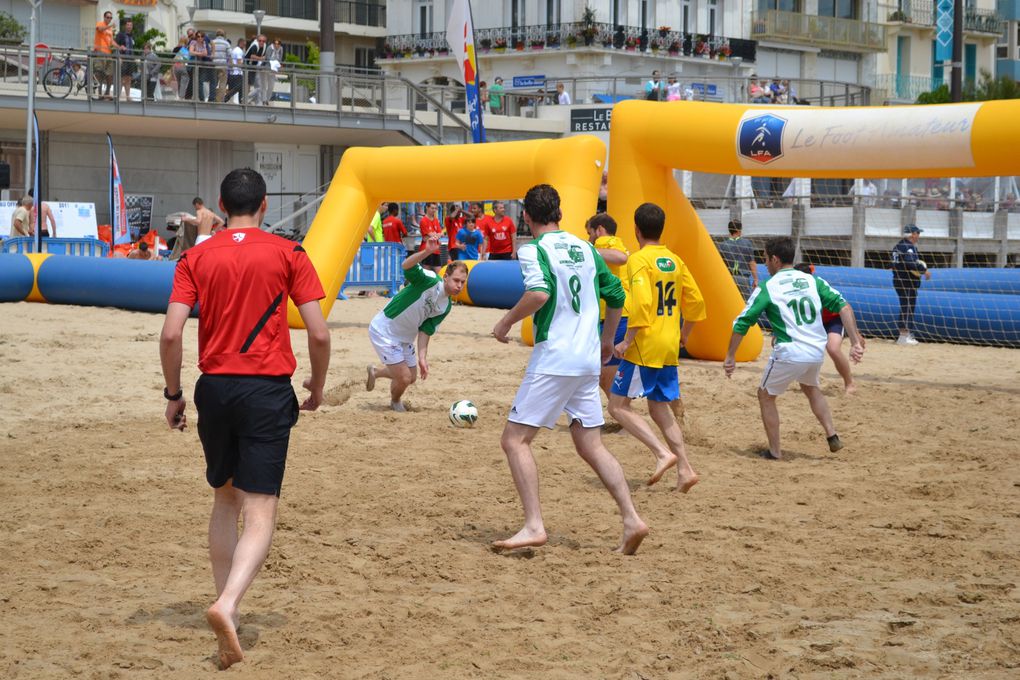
(848, 228)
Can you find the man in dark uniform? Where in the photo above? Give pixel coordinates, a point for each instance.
(907, 269)
(243, 278)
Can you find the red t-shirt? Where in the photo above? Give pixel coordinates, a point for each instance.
(241, 278)
(393, 229)
(828, 316)
(499, 234)
(429, 226)
(452, 227)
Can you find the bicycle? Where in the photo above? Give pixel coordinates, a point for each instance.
(60, 81)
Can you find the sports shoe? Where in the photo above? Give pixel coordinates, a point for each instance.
(906, 340)
(834, 443)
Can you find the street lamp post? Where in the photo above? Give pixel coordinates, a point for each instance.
(259, 15)
(30, 112)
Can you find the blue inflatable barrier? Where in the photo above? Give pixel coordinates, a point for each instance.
(970, 318)
(973, 280)
(496, 283)
(17, 276)
(102, 282)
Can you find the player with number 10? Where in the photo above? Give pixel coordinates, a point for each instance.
(792, 301)
(661, 289)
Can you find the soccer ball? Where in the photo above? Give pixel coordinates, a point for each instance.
(463, 414)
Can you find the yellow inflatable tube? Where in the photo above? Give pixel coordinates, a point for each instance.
(650, 139)
(367, 176)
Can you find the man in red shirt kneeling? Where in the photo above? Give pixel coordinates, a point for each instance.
(242, 277)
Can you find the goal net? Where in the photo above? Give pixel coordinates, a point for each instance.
(848, 228)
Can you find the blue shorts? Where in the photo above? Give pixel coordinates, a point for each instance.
(656, 384)
(834, 326)
(621, 333)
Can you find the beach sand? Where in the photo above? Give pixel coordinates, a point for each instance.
(898, 557)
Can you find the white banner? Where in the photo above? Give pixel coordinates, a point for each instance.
(74, 220)
(799, 138)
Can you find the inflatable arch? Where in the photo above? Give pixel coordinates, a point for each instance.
(649, 140)
(367, 176)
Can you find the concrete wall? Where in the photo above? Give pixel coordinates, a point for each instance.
(168, 169)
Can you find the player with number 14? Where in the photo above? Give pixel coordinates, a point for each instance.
(661, 288)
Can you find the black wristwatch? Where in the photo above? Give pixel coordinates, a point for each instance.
(173, 397)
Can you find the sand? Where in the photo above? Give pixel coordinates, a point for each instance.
(898, 557)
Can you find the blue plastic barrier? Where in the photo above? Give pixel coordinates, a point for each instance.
(80, 247)
(970, 280)
(16, 277)
(376, 265)
(102, 282)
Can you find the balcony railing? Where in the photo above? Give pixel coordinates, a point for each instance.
(847, 34)
(905, 87)
(578, 35)
(344, 11)
(922, 13)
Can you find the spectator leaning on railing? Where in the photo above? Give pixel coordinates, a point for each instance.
(102, 45)
(221, 52)
(128, 67)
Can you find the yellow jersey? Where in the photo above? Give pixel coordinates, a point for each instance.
(617, 270)
(661, 288)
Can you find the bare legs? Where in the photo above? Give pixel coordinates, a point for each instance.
(401, 376)
(770, 415)
(834, 346)
(516, 443)
(236, 559)
(770, 419)
(666, 456)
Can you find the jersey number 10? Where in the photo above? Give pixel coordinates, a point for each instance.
(803, 311)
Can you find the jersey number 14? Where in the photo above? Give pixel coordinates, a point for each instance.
(667, 298)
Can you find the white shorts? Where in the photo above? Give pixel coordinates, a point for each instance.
(392, 351)
(779, 374)
(542, 398)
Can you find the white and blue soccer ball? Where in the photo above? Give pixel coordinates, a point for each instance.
(463, 414)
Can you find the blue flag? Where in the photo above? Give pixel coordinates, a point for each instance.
(460, 34)
(37, 187)
(944, 30)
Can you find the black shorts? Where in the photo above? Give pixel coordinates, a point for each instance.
(244, 423)
(834, 326)
(500, 256)
(432, 261)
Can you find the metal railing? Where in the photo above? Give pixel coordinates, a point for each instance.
(576, 35)
(817, 30)
(344, 11)
(922, 13)
(595, 90)
(99, 81)
(905, 87)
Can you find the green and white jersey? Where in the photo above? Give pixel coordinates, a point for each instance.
(792, 301)
(567, 326)
(420, 306)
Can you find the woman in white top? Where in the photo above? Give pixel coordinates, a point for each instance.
(268, 70)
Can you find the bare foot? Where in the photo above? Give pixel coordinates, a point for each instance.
(661, 467)
(525, 538)
(851, 388)
(398, 406)
(370, 380)
(226, 637)
(632, 538)
(685, 482)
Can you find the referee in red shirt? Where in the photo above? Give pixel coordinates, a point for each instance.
(242, 278)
